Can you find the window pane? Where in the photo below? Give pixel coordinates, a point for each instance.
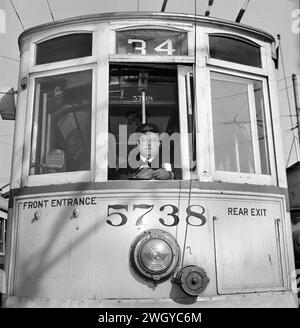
(61, 134)
(234, 49)
(64, 47)
(2, 235)
(236, 131)
(231, 124)
(261, 128)
(152, 42)
(125, 115)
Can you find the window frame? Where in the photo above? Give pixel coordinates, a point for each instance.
(103, 54)
(4, 222)
(90, 29)
(122, 26)
(61, 177)
(204, 65)
(257, 177)
(182, 86)
(232, 65)
(51, 69)
(108, 57)
(65, 60)
(242, 39)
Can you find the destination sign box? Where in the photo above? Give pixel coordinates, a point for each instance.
(152, 42)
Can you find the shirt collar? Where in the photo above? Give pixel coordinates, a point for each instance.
(144, 159)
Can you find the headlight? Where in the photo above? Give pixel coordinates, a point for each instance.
(155, 254)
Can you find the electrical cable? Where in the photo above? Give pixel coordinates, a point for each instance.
(287, 94)
(10, 58)
(163, 7)
(19, 18)
(242, 12)
(51, 13)
(207, 12)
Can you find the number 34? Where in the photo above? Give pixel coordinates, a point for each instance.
(140, 45)
(168, 210)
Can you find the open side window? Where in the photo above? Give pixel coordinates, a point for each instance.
(240, 136)
(156, 94)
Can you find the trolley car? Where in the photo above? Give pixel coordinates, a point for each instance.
(218, 235)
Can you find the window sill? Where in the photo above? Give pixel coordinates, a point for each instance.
(162, 185)
(57, 178)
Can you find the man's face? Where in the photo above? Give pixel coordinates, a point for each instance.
(149, 144)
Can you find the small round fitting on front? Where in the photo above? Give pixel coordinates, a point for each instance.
(192, 279)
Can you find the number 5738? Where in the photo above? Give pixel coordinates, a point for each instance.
(116, 214)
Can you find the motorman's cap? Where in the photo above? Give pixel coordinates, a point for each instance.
(147, 127)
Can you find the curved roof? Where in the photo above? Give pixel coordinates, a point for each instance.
(202, 20)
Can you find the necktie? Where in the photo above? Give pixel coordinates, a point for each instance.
(142, 165)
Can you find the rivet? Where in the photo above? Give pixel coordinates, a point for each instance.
(36, 216)
(76, 212)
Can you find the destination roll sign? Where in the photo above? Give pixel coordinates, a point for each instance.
(151, 42)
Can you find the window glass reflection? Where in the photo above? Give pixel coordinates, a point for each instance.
(126, 141)
(61, 134)
(239, 125)
(65, 47)
(261, 128)
(234, 49)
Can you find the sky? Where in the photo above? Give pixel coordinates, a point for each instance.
(274, 16)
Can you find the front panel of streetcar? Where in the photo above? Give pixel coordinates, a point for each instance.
(211, 226)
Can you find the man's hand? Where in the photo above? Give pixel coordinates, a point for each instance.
(144, 174)
(162, 174)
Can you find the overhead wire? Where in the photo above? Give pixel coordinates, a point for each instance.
(51, 13)
(289, 106)
(289, 87)
(5, 143)
(192, 128)
(286, 134)
(10, 58)
(210, 4)
(16, 12)
(287, 115)
(287, 163)
(4, 186)
(8, 93)
(163, 7)
(245, 93)
(290, 129)
(288, 100)
(242, 12)
(288, 77)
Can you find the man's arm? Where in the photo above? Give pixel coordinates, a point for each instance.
(162, 174)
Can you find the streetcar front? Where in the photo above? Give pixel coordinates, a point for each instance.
(89, 226)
